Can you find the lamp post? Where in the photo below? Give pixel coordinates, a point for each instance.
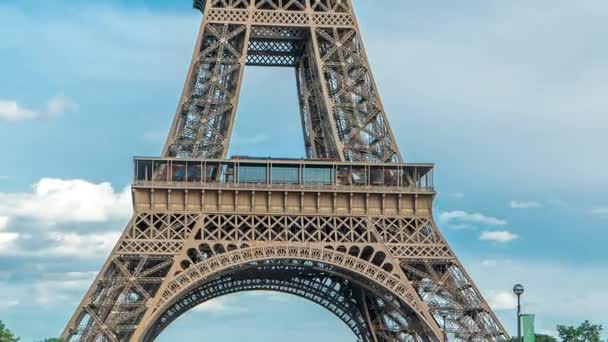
(444, 315)
(518, 290)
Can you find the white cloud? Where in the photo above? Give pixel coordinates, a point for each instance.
(80, 245)
(59, 105)
(552, 76)
(525, 204)
(271, 296)
(7, 239)
(491, 263)
(457, 195)
(463, 219)
(48, 289)
(10, 110)
(8, 303)
(502, 300)
(552, 291)
(8, 242)
(3, 222)
(558, 203)
(59, 245)
(54, 203)
(236, 303)
(599, 211)
(213, 306)
(62, 288)
(498, 236)
(60, 201)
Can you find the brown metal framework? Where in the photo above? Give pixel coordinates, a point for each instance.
(350, 229)
(342, 115)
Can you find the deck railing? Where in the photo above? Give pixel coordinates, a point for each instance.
(282, 173)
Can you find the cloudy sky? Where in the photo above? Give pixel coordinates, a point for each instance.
(508, 98)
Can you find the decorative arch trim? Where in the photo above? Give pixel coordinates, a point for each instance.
(204, 270)
(317, 291)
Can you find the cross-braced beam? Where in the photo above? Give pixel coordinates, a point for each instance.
(351, 231)
(343, 117)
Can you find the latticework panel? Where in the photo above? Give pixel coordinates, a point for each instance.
(162, 226)
(280, 18)
(229, 3)
(360, 122)
(316, 125)
(117, 303)
(205, 119)
(333, 19)
(277, 52)
(144, 246)
(330, 5)
(271, 60)
(269, 228)
(286, 5)
(436, 274)
(389, 277)
(284, 18)
(227, 15)
(279, 32)
(450, 293)
(158, 233)
(162, 256)
(342, 114)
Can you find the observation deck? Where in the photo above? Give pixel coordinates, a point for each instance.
(281, 185)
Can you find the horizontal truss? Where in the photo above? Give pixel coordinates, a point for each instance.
(208, 244)
(373, 257)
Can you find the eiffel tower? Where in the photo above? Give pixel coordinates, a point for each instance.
(349, 228)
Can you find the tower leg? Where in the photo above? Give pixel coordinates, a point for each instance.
(205, 117)
(319, 136)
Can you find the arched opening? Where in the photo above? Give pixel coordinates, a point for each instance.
(268, 113)
(258, 316)
(362, 295)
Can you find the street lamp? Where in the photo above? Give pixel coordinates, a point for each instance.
(444, 315)
(518, 290)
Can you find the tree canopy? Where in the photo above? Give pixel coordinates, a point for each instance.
(539, 338)
(586, 332)
(6, 335)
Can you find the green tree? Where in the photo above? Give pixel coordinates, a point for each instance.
(6, 335)
(586, 332)
(51, 340)
(545, 338)
(539, 338)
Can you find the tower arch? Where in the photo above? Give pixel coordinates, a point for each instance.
(353, 210)
(318, 275)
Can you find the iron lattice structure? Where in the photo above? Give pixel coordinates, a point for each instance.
(350, 229)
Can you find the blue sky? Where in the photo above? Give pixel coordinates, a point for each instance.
(507, 98)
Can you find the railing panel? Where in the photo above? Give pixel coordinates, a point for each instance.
(287, 173)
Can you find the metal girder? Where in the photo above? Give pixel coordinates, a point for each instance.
(327, 290)
(389, 296)
(343, 117)
(366, 249)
